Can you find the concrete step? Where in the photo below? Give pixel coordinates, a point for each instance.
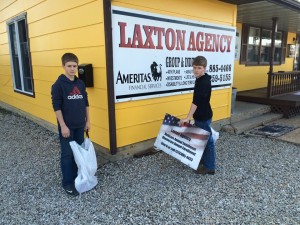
(246, 110)
(248, 124)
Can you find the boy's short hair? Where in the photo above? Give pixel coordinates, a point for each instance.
(200, 61)
(69, 57)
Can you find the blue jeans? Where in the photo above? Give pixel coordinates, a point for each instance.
(68, 165)
(209, 156)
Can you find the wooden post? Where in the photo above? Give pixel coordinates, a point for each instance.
(274, 30)
(110, 76)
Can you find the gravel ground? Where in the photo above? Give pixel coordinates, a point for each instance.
(257, 182)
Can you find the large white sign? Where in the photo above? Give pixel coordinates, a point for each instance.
(153, 54)
(186, 143)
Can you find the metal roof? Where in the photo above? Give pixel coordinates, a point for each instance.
(260, 13)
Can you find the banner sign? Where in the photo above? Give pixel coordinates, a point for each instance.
(153, 54)
(185, 143)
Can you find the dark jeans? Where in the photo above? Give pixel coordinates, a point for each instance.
(209, 156)
(68, 165)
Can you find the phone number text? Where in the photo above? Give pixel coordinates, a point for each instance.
(220, 77)
(219, 68)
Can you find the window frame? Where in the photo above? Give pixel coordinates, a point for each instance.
(244, 47)
(15, 21)
(258, 46)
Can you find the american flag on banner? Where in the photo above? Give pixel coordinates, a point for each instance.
(186, 143)
(198, 136)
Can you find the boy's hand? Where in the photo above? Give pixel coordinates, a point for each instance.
(65, 132)
(182, 121)
(87, 126)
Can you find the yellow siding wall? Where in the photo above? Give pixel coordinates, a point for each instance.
(56, 27)
(141, 120)
(252, 77)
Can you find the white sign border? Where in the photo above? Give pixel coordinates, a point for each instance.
(173, 19)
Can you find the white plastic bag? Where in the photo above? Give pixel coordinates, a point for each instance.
(215, 135)
(85, 158)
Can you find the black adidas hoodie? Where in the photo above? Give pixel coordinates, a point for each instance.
(71, 98)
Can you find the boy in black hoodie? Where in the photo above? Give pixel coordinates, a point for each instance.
(202, 113)
(71, 106)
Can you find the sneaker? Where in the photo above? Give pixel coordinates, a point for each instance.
(71, 190)
(203, 171)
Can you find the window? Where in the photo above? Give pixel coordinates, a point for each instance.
(256, 46)
(20, 55)
(253, 45)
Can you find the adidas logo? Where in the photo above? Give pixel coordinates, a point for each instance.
(75, 96)
(75, 91)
